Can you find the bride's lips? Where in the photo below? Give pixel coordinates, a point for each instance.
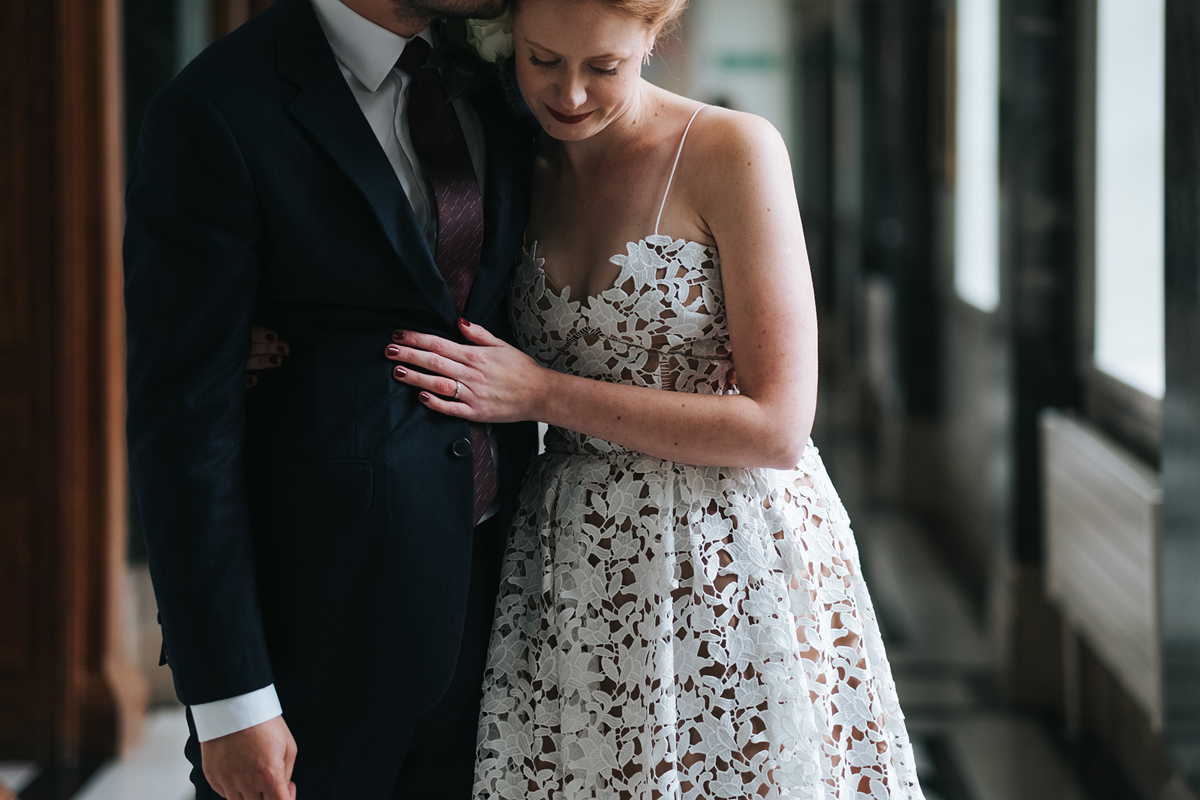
(564, 119)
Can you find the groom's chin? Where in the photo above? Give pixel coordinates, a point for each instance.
(474, 9)
(491, 9)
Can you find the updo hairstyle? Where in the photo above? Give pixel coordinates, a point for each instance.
(652, 12)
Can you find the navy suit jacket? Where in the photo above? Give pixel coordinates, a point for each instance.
(315, 532)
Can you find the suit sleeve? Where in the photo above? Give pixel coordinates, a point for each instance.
(192, 266)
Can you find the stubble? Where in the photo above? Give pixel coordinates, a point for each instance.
(416, 11)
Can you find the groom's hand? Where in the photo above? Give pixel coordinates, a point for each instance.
(252, 764)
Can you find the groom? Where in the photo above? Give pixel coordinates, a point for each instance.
(325, 550)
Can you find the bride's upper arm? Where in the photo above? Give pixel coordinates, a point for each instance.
(745, 194)
(742, 186)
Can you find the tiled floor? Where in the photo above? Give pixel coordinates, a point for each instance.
(967, 746)
(156, 770)
(16, 776)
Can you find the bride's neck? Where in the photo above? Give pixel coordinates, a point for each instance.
(627, 128)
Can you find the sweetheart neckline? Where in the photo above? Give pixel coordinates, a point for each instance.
(531, 252)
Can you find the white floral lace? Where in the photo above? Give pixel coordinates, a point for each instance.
(672, 631)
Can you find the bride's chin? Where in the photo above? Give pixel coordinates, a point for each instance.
(564, 132)
(574, 135)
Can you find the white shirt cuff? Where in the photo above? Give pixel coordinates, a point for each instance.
(223, 717)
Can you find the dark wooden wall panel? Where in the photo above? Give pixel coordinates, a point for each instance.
(15, 563)
(15, 550)
(64, 690)
(228, 15)
(14, 300)
(25, 212)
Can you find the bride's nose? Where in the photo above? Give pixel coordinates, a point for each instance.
(571, 93)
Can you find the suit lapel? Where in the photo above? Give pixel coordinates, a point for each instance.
(326, 109)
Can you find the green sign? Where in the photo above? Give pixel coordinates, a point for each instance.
(749, 62)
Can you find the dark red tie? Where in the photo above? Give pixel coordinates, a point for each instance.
(442, 150)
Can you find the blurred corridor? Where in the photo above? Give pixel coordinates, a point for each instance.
(1002, 208)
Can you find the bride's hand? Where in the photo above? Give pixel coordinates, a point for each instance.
(266, 352)
(494, 381)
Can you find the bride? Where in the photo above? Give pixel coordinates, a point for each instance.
(682, 611)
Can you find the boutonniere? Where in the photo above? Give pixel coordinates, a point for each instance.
(472, 55)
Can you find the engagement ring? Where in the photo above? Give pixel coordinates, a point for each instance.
(457, 389)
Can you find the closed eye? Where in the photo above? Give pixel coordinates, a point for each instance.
(603, 71)
(537, 62)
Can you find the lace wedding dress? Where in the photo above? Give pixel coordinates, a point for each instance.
(673, 631)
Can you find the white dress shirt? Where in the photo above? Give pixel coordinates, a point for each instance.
(366, 54)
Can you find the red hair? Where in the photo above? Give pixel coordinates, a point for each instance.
(652, 12)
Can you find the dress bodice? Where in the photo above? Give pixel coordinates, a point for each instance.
(661, 325)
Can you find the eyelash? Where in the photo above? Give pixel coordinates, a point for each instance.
(537, 62)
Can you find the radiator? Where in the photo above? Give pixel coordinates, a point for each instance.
(1103, 514)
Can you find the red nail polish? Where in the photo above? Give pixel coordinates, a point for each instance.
(464, 322)
(272, 337)
(398, 336)
(425, 398)
(281, 350)
(393, 350)
(401, 372)
(275, 361)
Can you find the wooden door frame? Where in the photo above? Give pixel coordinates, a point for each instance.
(228, 15)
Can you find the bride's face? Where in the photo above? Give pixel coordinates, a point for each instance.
(578, 63)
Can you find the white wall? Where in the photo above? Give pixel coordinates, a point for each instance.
(739, 52)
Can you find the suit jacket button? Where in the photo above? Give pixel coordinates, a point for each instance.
(461, 448)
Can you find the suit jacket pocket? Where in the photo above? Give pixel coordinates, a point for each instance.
(322, 488)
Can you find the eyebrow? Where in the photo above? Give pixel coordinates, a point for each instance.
(600, 57)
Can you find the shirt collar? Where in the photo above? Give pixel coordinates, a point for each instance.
(368, 50)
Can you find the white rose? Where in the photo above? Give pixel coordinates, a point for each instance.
(491, 38)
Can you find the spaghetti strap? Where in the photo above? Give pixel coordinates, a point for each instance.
(675, 167)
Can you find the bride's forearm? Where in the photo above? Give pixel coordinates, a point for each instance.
(706, 430)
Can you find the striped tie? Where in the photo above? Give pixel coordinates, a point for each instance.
(442, 150)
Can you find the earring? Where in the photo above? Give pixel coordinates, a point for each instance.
(647, 59)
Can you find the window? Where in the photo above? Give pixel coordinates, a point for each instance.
(977, 154)
(1130, 132)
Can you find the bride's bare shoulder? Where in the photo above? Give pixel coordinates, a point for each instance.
(725, 140)
(715, 131)
(733, 157)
